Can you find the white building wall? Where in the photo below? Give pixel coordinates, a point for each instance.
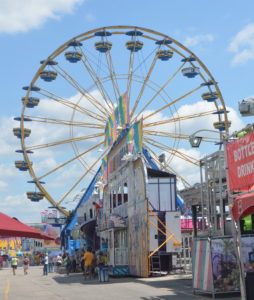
(153, 233)
(174, 225)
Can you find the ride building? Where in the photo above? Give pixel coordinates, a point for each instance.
(132, 215)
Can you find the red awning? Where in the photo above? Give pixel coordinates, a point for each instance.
(243, 206)
(14, 228)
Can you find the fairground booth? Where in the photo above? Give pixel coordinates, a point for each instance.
(223, 207)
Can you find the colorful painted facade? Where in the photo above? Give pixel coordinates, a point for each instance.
(117, 218)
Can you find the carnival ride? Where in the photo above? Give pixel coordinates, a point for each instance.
(75, 91)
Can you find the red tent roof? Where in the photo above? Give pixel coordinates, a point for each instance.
(13, 227)
(243, 206)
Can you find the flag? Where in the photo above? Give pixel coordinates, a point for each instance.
(123, 110)
(104, 168)
(107, 135)
(110, 130)
(119, 117)
(138, 136)
(135, 137)
(130, 139)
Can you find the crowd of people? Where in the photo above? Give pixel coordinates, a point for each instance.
(88, 262)
(14, 264)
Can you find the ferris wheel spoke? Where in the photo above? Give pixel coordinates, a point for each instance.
(172, 102)
(175, 152)
(96, 80)
(146, 58)
(136, 103)
(130, 73)
(112, 75)
(70, 161)
(72, 105)
(180, 154)
(64, 122)
(168, 167)
(165, 134)
(94, 60)
(82, 90)
(160, 89)
(82, 177)
(176, 136)
(181, 118)
(61, 142)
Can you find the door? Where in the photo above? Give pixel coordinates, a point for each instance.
(121, 247)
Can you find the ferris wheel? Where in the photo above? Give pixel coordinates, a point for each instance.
(68, 102)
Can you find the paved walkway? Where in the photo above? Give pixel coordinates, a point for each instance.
(34, 286)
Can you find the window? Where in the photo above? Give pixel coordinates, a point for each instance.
(110, 202)
(125, 192)
(114, 198)
(84, 216)
(119, 196)
(91, 213)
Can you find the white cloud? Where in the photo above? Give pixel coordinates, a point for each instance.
(3, 185)
(20, 207)
(9, 143)
(8, 170)
(189, 126)
(195, 40)
(242, 45)
(189, 171)
(89, 17)
(23, 15)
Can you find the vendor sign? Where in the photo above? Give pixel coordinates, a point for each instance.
(240, 158)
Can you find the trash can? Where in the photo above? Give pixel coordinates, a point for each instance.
(103, 273)
(249, 283)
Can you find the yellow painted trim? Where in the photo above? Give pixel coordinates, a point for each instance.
(7, 289)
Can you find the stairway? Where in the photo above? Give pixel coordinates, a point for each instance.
(155, 263)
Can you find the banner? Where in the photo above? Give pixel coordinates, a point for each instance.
(120, 117)
(135, 137)
(240, 159)
(224, 265)
(104, 168)
(201, 265)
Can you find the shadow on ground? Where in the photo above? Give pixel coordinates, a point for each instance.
(79, 278)
(176, 288)
(182, 289)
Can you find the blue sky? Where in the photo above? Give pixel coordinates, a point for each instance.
(220, 33)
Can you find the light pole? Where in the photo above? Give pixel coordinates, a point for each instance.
(195, 141)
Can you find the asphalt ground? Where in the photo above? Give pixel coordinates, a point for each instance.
(55, 286)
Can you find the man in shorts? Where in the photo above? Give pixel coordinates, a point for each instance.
(25, 264)
(14, 264)
(88, 263)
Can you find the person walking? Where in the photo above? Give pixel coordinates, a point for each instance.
(88, 263)
(1, 262)
(45, 264)
(59, 262)
(14, 264)
(51, 264)
(74, 265)
(67, 264)
(102, 267)
(25, 264)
